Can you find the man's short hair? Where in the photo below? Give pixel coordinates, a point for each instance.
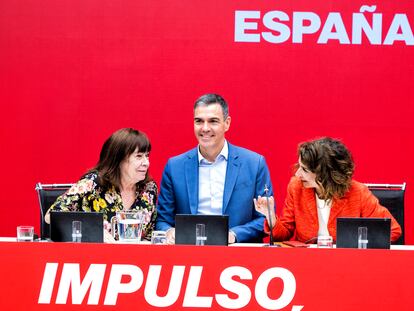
(211, 99)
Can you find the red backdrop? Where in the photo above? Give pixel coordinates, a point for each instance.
(74, 71)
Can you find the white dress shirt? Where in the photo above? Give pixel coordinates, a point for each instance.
(211, 179)
(324, 210)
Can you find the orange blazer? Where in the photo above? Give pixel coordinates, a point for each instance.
(299, 218)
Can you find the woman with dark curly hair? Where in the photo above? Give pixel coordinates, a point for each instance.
(321, 191)
(119, 182)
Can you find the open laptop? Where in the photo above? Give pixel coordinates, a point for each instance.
(379, 232)
(216, 227)
(61, 226)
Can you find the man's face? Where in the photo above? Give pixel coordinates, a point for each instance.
(210, 126)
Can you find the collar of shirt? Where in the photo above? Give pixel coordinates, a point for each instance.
(211, 180)
(224, 154)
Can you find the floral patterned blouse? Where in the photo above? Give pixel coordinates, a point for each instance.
(87, 195)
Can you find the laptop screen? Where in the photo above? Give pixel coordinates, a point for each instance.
(61, 226)
(378, 232)
(216, 229)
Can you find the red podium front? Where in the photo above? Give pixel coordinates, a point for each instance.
(68, 276)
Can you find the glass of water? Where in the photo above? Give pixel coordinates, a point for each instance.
(158, 237)
(325, 241)
(25, 233)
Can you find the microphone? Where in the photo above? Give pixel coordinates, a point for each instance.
(266, 191)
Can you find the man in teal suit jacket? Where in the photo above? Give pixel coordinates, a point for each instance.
(214, 178)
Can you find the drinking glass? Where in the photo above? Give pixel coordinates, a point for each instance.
(25, 233)
(158, 237)
(325, 241)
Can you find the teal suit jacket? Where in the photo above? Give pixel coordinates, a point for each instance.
(246, 176)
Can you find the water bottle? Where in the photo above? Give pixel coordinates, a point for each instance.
(362, 237)
(201, 237)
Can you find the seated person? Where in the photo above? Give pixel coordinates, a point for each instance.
(119, 182)
(322, 190)
(215, 178)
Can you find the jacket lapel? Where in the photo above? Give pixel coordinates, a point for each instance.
(191, 178)
(337, 207)
(311, 208)
(233, 168)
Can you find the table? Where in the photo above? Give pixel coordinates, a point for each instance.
(82, 276)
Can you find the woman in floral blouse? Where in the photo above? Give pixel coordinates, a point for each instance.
(119, 182)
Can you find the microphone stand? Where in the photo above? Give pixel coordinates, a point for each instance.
(266, 191)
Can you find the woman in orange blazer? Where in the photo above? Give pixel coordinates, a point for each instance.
(322, 190)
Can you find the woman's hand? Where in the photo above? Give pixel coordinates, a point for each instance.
(261, 206)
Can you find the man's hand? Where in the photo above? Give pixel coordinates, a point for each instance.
(232, 237)
(170, 236)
